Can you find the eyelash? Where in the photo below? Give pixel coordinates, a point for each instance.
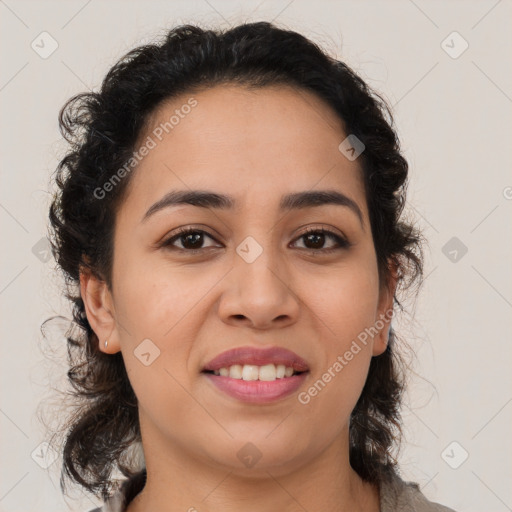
(342, 242)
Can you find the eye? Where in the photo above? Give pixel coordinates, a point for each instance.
(316, 238)
(191, 240)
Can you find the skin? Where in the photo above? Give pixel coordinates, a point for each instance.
(255, 146)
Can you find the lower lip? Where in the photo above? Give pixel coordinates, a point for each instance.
(257, 391)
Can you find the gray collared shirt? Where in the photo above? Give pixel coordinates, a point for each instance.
(396, 495)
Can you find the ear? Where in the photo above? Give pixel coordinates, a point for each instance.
(99, 307)
(385, 309)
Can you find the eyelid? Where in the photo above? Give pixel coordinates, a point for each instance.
(190, 227)
(322, 228)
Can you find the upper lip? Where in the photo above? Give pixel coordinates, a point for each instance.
(258, 357)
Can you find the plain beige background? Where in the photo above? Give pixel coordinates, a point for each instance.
(453, 109)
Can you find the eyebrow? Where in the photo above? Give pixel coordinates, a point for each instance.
(294, 201)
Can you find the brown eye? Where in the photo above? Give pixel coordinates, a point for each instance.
(315, 239)
(191, 240)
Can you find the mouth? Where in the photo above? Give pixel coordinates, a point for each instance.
(257, 375)
(250, 372)
(242, 362)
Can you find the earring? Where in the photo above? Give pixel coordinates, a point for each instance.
(106, 343)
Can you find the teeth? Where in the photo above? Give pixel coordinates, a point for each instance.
(250, 372)
(268, 372)
(235, 371)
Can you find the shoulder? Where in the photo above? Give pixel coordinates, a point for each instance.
(397, 495)
(128, 490)
(116, 503)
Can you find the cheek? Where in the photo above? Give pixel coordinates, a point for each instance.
(338, 379)
(151, 304)
(151, 296)
(345, 299)
(345, 305)
(154, 307)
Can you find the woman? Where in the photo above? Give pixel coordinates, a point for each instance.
(229, 221)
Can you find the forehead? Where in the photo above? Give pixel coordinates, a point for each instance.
(250, 142)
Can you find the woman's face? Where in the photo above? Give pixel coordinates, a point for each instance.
(256, 279)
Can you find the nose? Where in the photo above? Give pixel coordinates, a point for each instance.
(259, 294)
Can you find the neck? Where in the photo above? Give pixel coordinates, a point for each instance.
(179, 481)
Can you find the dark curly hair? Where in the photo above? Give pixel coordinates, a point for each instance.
(102, 129)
